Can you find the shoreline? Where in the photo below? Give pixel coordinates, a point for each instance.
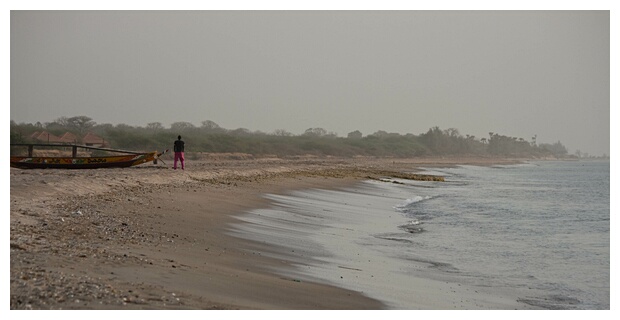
(352, 237)
(155, 238)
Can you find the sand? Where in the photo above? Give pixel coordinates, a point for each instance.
(150, 237)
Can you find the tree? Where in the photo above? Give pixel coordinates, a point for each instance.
(241, 132)
(181, 126)
(332, 134)
(63, 121)
(16, 134)
(155, 126)
(282, 133)
(380, 134)
(55, 127)
(436, 140)
(315, 132)
(80, 123)
(211, 126)
(557, 149)
(104, 127)
(354, 135)
(452, 132)
(123, 126)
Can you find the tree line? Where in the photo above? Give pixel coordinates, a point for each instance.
(210, 137)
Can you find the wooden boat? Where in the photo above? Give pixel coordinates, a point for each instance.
(74, 161)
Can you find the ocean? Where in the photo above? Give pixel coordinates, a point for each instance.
(527, 236)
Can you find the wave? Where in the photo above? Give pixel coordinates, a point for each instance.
(412, 226)
(411, 202)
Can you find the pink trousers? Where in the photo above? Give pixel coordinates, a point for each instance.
(179, 156)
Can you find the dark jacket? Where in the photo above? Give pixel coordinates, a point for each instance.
(179, 146)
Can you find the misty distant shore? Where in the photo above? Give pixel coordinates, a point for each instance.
(211, 138)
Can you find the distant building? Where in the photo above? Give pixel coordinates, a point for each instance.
(93, 140)
(90, 139)
(45, 137)
(69, 137)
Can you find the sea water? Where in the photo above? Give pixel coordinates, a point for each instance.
(537, 233)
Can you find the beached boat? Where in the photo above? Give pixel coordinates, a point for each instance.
(88, 158)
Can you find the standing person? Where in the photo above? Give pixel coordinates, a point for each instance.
(179, 153)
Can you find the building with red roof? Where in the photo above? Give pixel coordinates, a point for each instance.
(46, 137)
(69, 137)
(93, 140)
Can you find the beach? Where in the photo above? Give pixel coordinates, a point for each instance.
(150, 237)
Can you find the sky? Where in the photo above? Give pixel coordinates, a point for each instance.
(516, 73)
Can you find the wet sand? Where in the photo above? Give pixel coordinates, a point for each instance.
(150, 237)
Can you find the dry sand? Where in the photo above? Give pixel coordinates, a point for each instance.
(150, 237)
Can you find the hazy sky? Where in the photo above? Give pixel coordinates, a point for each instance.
(517, 73)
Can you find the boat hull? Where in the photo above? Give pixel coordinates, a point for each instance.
(82, 163)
